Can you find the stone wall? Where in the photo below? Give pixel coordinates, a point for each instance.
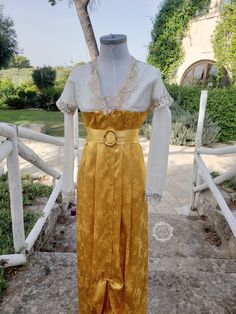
(197, 45)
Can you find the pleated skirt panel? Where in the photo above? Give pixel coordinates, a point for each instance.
(112, 230)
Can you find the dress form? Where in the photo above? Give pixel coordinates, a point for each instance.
(113, 62)
(100, 88)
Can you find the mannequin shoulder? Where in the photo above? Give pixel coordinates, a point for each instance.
(79, 71)
(149, 69)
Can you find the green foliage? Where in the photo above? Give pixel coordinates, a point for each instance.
(214, 174)
(221, 106)
(44, 77)
(27, 95)
(62, 75)
(17, 97)
(47, 99)
(220, 114)
(147, 129)
(224, 40)
(7, 89)
(30, 191)
(19, 76)
(19, 62)
(229, 184)
(169, 28)
(8, 42)
(3, 284)
(184, 128)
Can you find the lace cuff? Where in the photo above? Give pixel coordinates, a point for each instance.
(160, 96)
(153, 199)
(65, 107)
(152, 196)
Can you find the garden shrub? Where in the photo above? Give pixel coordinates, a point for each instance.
(44, 77)
(27, 95)
(221, 106)
(7, 89)
(17, 97)
(184, 127)
(47, 99)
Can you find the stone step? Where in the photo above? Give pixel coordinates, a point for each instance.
(47, 284)
(181, 285)
(169, 235)
(184, 236)
(192, 285)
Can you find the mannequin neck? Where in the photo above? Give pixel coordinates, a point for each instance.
(113, 52)
(113, 62)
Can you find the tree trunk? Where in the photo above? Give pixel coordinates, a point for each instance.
(82, 11)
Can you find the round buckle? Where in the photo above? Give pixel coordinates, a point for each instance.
(110, 137)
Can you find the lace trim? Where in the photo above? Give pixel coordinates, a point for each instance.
(152, 196)
(161, 101)
(153, 199)
(108, 104)
(66, 108)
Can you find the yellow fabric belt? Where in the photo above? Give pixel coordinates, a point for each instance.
(111, 137)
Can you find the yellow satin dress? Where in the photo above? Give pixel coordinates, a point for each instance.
(112, 216)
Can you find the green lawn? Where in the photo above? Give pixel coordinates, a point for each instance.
(53, 121)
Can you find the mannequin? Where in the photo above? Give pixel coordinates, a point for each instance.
(113, 61)
(114, 93)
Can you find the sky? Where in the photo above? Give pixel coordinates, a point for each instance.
(52, 35)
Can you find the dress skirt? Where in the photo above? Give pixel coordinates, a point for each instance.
(112, 220)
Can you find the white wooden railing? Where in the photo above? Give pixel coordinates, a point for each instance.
(11, 147)
(199, 168)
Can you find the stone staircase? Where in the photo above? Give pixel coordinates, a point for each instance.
(189, 273)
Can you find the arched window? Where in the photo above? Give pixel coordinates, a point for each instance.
(203, 73)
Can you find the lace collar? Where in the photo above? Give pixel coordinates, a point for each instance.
(110, 103)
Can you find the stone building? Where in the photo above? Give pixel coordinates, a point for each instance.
(199, 62)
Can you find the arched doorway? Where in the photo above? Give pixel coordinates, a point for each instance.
(203, 72)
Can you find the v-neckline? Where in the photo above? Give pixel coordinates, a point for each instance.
(108, 104)
(124, 81)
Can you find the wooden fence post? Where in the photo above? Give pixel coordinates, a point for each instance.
(16, 199)
(195, 173)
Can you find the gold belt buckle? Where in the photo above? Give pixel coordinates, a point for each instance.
(110, 137)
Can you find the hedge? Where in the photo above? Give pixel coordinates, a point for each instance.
(221, 106)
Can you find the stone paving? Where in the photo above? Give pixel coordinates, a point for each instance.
(178, 182)
(189, 272)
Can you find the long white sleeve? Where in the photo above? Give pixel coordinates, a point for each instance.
(159, 141)
(67, 104)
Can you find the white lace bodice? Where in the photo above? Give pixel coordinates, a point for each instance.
(142, 90)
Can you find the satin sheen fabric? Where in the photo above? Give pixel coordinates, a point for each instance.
(112, 220)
